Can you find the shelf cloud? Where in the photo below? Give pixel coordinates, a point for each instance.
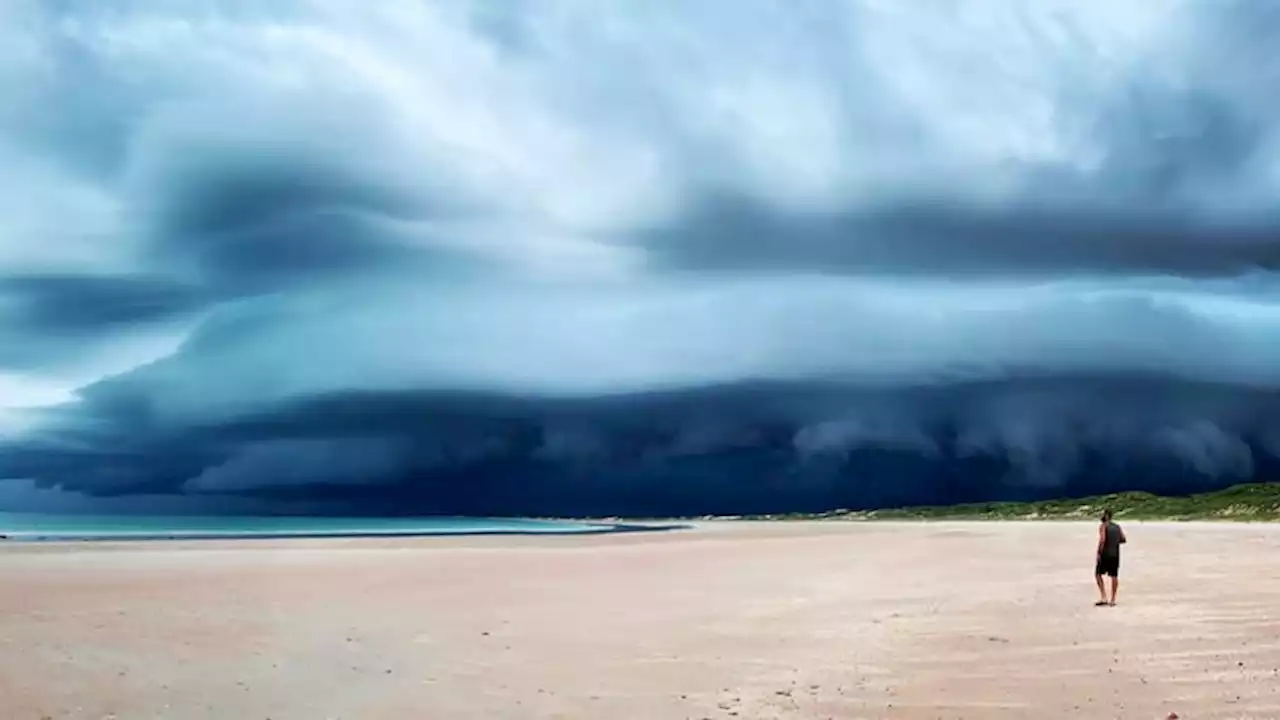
(559, 258)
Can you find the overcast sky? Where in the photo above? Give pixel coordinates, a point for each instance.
(218, 216)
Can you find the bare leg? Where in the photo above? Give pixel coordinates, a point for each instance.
(1115, 585)
(1102, 590)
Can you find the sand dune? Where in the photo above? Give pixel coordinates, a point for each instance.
(740, 620)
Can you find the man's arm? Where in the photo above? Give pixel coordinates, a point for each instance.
(1102, 537)
(1123, 539)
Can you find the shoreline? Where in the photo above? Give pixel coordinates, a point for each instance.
(700, 531)
(596, 527)
(582, 528)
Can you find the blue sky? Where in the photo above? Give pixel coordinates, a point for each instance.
(219, 216)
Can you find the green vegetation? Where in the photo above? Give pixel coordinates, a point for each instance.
(1255, 502)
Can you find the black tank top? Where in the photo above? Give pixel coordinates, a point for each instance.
(1111, 543)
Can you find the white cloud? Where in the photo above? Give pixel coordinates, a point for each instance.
(585, 120)
(582, 341)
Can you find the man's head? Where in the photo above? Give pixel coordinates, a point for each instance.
(1106, 515)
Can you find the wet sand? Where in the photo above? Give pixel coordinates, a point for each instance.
(782, 620)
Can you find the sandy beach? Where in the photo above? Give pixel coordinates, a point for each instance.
(748, 620)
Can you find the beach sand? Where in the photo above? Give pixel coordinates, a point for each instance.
(748, 620)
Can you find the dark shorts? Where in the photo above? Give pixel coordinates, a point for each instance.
(1108, 565)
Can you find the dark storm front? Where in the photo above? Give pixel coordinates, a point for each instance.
(730, 450)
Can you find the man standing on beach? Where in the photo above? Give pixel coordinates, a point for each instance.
(1110, 538)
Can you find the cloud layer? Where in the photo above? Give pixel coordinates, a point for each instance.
(556, 257)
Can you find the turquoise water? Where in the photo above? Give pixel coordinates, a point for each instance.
(23, 526)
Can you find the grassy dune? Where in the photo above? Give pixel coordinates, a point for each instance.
(1253, 502)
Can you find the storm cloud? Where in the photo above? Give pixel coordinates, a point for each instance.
(550, 257)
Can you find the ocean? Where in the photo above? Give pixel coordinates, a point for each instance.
(31, 526)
